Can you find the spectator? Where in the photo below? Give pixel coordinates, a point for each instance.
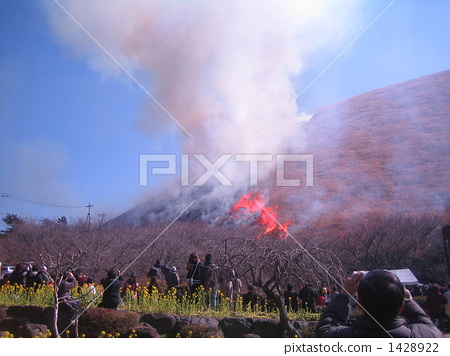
(328, 295)
(45, 276)
(416, 291)
(153, 285)
(333, 294)
(290, 298)
(156, 271)
(68, 303)
(91, 286)
(434, 306)
(19, 275)
(81, 278)
(320, 300)
(158, 264)
(250, 298)
(194, 268)
(131, 285)
(208, 260)
(447, 304)
(5, 280)
(308, 295)
(34, 278)
(386, 313)
(210, 280)
(67, 284)
(111, 290)
(237, 285)
(174, 279)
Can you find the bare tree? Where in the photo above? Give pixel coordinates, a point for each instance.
(389, 242)
(269, 263)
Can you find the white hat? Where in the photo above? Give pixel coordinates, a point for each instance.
(174, 269)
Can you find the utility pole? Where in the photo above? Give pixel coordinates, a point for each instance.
(102, 218)
(88, 217)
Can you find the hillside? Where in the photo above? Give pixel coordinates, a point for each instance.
(387, 150)
(382, 151)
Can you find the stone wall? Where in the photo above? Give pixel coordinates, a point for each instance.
(31, 321)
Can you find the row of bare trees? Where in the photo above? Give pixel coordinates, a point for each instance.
(321, 258)
(392, 242)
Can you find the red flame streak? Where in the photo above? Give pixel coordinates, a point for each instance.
(267, 215)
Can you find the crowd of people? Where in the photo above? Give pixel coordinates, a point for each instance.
(386, 305)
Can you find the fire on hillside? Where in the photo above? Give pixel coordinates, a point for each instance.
(262, 215)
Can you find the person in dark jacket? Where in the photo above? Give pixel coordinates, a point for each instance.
(290, 298)
(250, 299)
(34, 278)
(308, 295)
(386, 312)
(194, 268)
(434, 305)
(112, 286)
(19, 275)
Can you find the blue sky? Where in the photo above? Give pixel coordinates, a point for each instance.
(69, 134)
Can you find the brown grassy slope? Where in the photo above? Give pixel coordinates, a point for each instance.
(383, 151)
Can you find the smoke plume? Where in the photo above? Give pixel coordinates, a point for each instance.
(224, 69)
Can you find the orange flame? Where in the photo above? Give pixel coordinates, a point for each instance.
(267, 215)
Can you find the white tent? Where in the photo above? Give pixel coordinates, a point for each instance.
(405, 276)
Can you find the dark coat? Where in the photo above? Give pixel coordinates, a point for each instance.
(65, 287)
(174, 280)
(434, 303)
(250, 298)
(34, 279)
(308, 296)
(111, 294)
(412, 323)
(18, 277)
(196, 272)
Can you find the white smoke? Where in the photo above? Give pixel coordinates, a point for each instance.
(223, 69)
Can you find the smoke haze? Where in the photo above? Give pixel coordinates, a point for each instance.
(224, 69)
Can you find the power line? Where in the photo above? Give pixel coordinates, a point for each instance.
(30, 201)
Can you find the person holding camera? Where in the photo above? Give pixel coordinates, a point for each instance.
(386, 306)
(112, 286)
(68, 282)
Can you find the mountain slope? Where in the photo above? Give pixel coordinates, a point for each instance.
(384, 151)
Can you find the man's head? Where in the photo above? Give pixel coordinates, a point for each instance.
(111, 274)
(381, 294)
